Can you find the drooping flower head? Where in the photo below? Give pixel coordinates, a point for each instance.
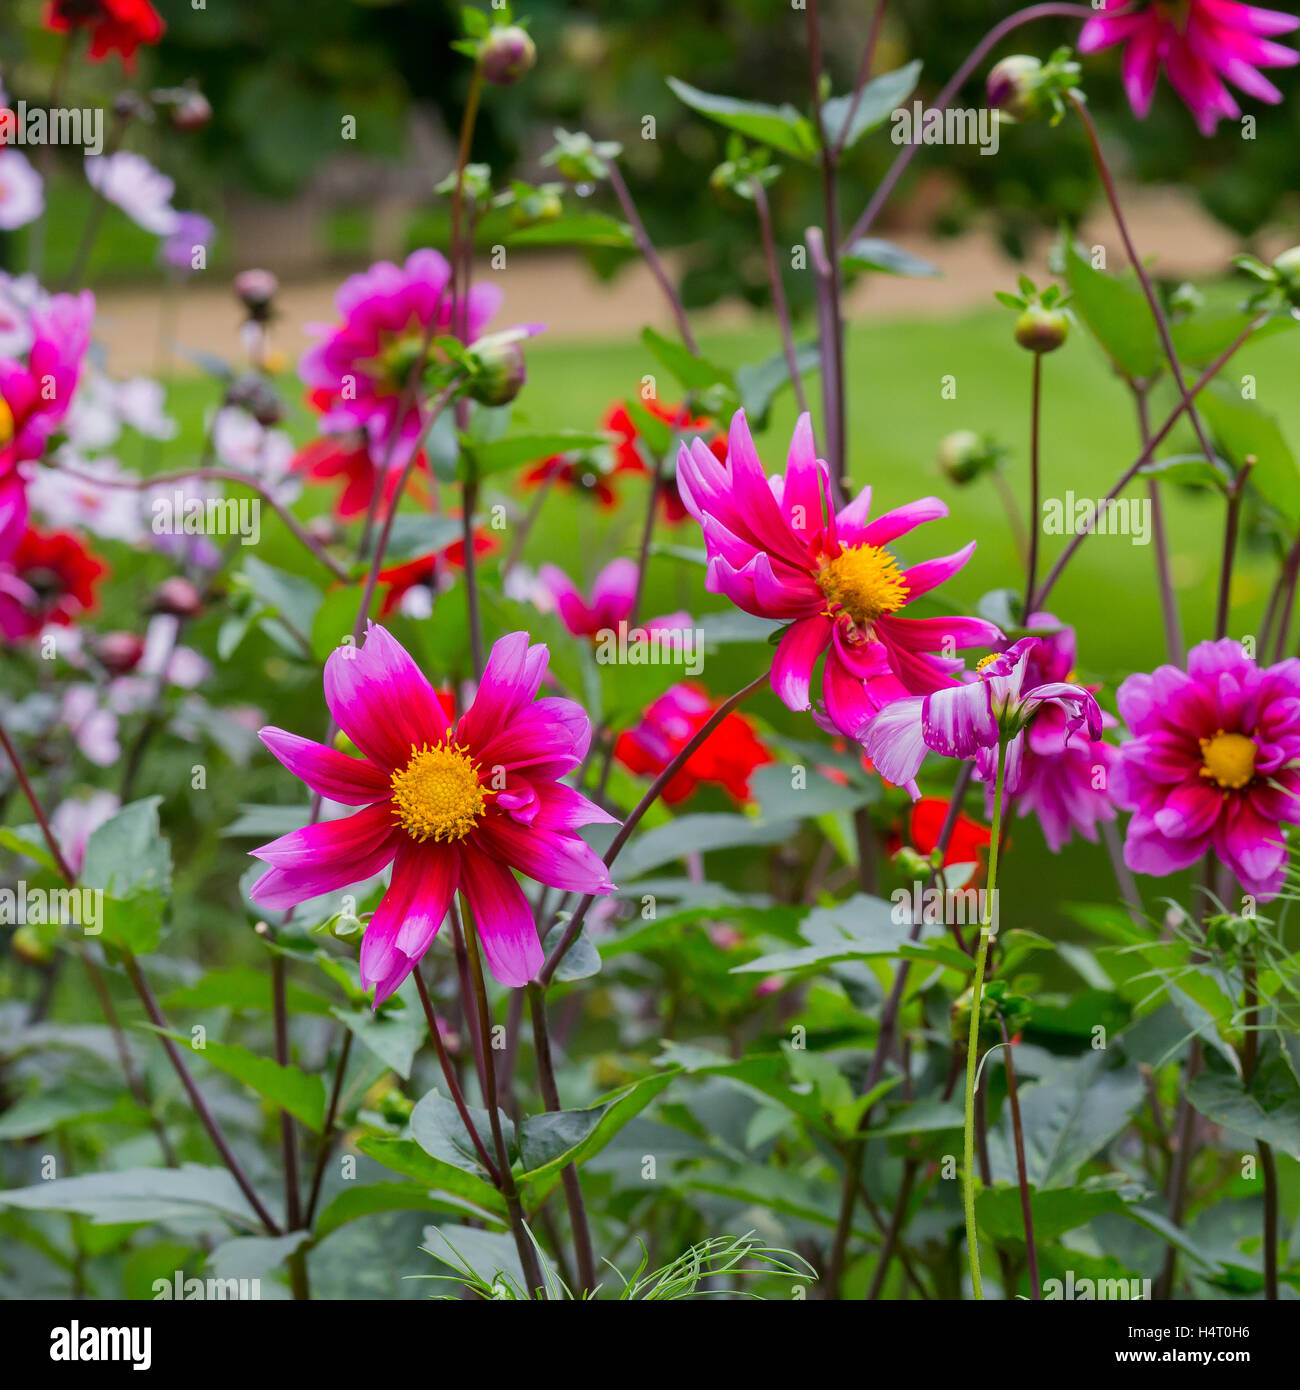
(777, 549)
(1214, 763)
(727, 758)
(362, 365)
(50, 578)
(997, 706)
(1064, 780)
(452, 805)
(115, 26)
(1201, 44)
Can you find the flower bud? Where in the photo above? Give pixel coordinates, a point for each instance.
(178, 597)
(498, 370)
(395, 1107)
(1042, 330)
(325, 530)
(256, 395)
(1013, 85)
(128, 105)
(255, 290)
(119, 652)
(508, 53)
(911, 863)
(964, 455)
(26, 944)
(192, 112)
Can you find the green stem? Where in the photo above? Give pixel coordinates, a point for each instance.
(972, 1045)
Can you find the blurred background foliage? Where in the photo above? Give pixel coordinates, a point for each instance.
(281, 79)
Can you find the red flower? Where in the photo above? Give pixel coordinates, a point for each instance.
(115, 25)
(573, 473)
(727, 757)
(50, 578)
(968, 838)
(428, 570)
(629, 460)
(346, 457)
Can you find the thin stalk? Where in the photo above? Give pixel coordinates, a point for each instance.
(547, 972)
(779, 301)
(1014, 519)
(1176, 1189)
(1231, 526)
(1144, 457)
(328, 1133)
(972, 1044)
(1035, 417)
(864, 72)
(526, 526)
(452, 1080)
(826, 330)
(832, 361)
(650, 255)
(1168, 600)
(523, 1244)
(941, 103)
(469, 501)
(895, 1228)
(582, 1247)
(1022, 1172)
(1268, 1167)
(288, 1144)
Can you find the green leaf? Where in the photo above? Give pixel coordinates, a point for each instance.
(1118, 316)
(870, 253)
(138, 1195)
(250, 1257)
(128, 859)
(760, 384)
(693, 372)
(394, 1036)
(496, 456)
(1186, 468)
(698, 834)
(242, 987)
(74, 1102)
(880, 98)
(1205, 336)
(550, 1142)
(29, 841)
(576, 229)
(1242, 429)
(581, 961)
(1268, 1109)
(287, 1088)
(288, 596)
(1055, 1211)
(405, 1156)
(781, 127)
(436, 1126)
(354, 1203)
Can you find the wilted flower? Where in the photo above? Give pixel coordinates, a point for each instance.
(450, 805)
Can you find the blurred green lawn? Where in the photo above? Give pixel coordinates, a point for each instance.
(897, 417)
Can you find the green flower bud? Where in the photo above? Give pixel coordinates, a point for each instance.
(1042, 330)
(1013, 87)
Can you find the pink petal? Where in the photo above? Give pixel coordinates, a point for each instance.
(929, 574)
(796, 655)
(353, 781)
(407, 919)
(890, 525)
(502, 917)
(326, 856)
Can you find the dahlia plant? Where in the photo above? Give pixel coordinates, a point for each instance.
(691, 787)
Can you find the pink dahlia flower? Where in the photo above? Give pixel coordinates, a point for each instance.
(360, 367)
(1001, 703)
(35, 395)
(612, 596)
(452, 805)
(1214, 763)
(778, 550)
(1201, 44)
(1064, 781)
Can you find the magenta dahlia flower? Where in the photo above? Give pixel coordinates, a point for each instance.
(1002, 701)
(613, 594)
(1214, 763)
(35, 395)
(1201, 44)
(452, 805)
(778, 550)
(1064, 781)
(360, 368)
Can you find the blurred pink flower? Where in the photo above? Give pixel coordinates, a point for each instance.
(359, 370)
(130, 182)
(612, 595)
(1200, 44)
(22, 194)
(76, 819)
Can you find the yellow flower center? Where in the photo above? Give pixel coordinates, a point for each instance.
(987, 660)
(6, 423)
(437, 795)
(864, 581)
(1229, 759)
